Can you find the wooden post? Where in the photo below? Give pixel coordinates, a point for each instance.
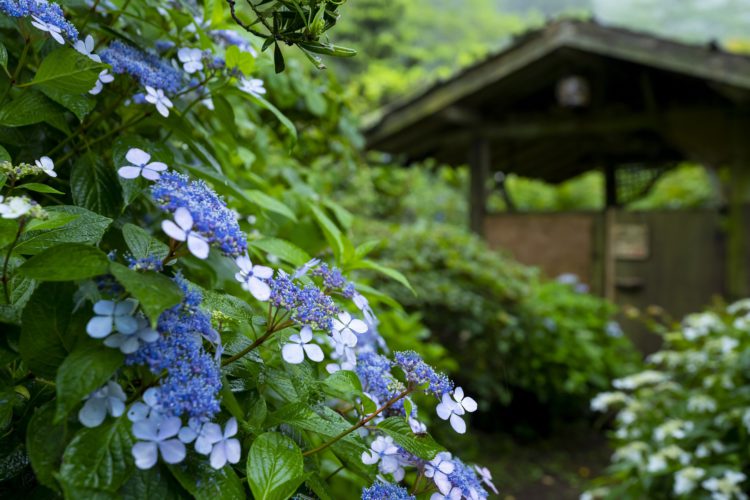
(479, 170)
(610, 219)
(738, 278)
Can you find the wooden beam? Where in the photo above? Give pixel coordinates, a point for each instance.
(479, 166)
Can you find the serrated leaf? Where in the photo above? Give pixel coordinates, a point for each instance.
(55, 220)
(45, 442)
(46, 336)
(155, 292)
(94, 186)
(88, 367)
(100, 458)
(155, 482)
(282, 249)
(87, 228)
(421, 445)
(67, 70)
(206, 483)
(66, 262)
(142, 244)
(274, 467)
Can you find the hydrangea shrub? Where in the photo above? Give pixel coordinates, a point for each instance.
(681, 426)
(166, 330)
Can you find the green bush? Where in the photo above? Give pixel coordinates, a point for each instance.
(682, 425)
(508, 330)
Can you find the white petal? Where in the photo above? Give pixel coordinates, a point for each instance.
(138, 411)
(231, 428)
(145, 454)
(369, 458)
(146, 429)
(129, 172)
(446, 467)
(162, 109)
(443, 483)
(458, 394)
(151, 91)
(172, 451)
(212, 433)
(469, 404)
(173, 230)
(244, 263)
(105, 77)
(57, 36)
(218, 456)
(348, 338)
(157, 166)
(130, 345)
(150, 174)
(187, 435)
(345, 317)
(93, 412)
(183, 218)
(293, 353)
(444, 411)
(313, 352)
(197, 245)
(89, 43)
(126, 324)
(262, 272)
(232, 450)
(259, 289)
(183, 54)
(104, 307)
(169, 427)
(306, 334)
(358, 326)
(137, 157)
(458, 424)
(99, 327)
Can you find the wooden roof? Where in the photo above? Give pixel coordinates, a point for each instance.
(652, 101)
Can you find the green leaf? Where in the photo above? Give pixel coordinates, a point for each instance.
(282, 249)
(99, 458)
(67, 70)
(265, 202)
(87, 228)
(79, 104)
(4, 156)
(87, 368)
(66, 262)
(391, 273)
(344, 217)
(330, 231)
(94, 186)
(344, 384)
(204, 482)
(274, 467)
(155, 482)
(46, 334)
(154, 291)
(142, 244)
(4, 57)
(32, 107)
(45, 442)
(55, 220)
(286, 122)
(421, 445)
(39, 188)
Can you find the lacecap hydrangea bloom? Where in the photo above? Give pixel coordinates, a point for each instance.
(210, 216)
(149, 69)
(386, 491)
(193, 380)
(308, 305)
(43, 12)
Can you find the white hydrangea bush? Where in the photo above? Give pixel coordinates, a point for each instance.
(681, 426)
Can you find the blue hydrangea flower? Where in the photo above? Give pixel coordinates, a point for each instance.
(374, 371)
(130, 342)
(386, 491)
(109, 399)
(384, 452)
(211, 217)
(419, 372)
(308, 306)
(148, 263)
(113, 316)
(47, 14)
(193, 379)
(454, 407)
(464, 479)
(149, 69)
(157, 437)
(438, 469)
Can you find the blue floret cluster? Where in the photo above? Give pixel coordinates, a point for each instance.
(193, 381)
(419, 372)
(149, 69)
(386, 491)
(211, 217)
(49, 12)
(307, 305)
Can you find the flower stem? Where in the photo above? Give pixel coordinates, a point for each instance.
(361, 423)
(271, 330)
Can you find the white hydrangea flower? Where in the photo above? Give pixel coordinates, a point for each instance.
(182, 230)
(726, 487)
(673, 428)
(141, 166)
(86, 47)
(191, 59)
(384, 453)
(452, 408)
(148, 408)
(47, 165)
(252, 86)
(158, 99)
(104, 78)
(253, 278)
(603, 401)
(438, 469)
(647, 377)
(113, 316)
(486, 477)
(14, 207)
(345, 328)
(157, 437)
(299, 346)
(54, 31)
(685, 480)
(226, 448)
